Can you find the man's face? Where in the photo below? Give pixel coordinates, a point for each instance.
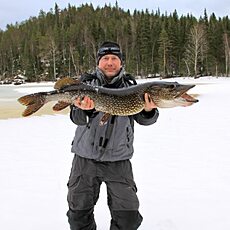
(110, 65)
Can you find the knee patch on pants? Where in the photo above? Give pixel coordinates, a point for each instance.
(126, 220)
(82, 219)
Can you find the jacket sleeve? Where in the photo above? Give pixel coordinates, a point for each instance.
(147, 118)
(81, 117)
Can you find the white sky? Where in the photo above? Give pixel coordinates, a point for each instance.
(12, 11)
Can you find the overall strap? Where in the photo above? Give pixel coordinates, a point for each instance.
(88, 77)
(130, 79)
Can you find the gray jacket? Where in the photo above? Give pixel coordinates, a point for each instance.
(114, 140)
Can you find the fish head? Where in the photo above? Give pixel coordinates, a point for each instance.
(171, 94)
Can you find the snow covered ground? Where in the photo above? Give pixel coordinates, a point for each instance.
(181, 167)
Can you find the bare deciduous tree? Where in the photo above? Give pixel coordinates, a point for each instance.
(196, 47)
(164, 46)
(227, 53)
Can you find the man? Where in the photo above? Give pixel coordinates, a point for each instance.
(102, 153)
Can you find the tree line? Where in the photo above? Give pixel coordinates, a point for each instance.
(64, 43)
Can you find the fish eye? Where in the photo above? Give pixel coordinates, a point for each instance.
(172, 86)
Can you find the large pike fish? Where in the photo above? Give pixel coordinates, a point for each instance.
(121, 102)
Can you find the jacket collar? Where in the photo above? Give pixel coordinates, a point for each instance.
(102, 78)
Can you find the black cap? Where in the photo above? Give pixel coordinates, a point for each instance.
(109, 48)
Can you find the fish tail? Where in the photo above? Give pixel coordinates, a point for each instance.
(33, 102)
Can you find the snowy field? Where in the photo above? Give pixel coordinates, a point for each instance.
(181, 166)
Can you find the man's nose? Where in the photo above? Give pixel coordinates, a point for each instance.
(110, 61)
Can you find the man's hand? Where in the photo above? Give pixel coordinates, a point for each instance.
(149, 103)
(85, 104)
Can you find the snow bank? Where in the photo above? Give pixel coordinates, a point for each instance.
(181, 167)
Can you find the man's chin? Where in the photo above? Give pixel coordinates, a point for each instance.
(110, 74)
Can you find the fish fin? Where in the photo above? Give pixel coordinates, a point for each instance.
(60, 105)
(104, 119)
(66, 81)
(33, 102)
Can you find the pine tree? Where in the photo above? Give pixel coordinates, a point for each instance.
(64, 42)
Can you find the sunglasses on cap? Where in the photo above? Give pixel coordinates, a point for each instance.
(107, 50)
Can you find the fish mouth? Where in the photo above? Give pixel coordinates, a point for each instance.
(183, 93)
(189, 98)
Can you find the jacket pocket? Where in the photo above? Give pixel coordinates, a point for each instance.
(129, 136)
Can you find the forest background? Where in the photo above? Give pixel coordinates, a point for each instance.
(64, 43)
